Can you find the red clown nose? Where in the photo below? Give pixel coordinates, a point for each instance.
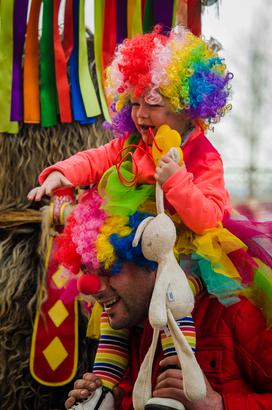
(88, 284)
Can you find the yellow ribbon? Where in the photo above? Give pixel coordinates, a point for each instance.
(134, 18)
(98, 41)
(88, 93)
(6, 51)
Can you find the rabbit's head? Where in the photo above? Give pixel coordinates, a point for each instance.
(158, 237)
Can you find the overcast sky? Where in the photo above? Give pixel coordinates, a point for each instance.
(233, 28)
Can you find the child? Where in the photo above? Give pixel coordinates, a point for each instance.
(179, 81)
(154, 80)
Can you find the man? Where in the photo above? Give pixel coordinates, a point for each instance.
(234, 348)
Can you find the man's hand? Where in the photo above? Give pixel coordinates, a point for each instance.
(165, 169)
(82, 389)
(170, 385)
(54, 180)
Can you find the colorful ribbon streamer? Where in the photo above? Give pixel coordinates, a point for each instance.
(194, 16)
(79, 113)
(19, 29)
(6, 47)
(49, 99)
(98, 24)
(109, 33)
(189, 15)
(149, 18)
(121, 20)
(90, 100)
(174, 16)
(114, 21)
(134, 18)
(68, 31)
(163, 12)
(61, 70)
(31, 67)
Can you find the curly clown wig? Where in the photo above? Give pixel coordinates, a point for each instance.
(181, 67)
(99, 233)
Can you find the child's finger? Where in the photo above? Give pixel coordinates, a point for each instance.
(36, 194)
(166, 159)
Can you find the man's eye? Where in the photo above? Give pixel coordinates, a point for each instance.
(135, 104)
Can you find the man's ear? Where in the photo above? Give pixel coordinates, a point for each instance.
(140, 230)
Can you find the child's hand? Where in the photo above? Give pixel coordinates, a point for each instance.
(54, 180)
(165, 169)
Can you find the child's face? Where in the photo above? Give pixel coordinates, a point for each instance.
(146, 115)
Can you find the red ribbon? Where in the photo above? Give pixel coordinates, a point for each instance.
(68, 31)
(194, 16)
(109, 32)
(61, 71)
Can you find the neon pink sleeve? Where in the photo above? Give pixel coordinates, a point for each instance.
(199, 198)
(88, 166)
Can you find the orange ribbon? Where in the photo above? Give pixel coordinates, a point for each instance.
(31, 67)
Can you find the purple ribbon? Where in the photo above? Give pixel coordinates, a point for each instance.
(121, 20)
(19, 30)
(163, 13)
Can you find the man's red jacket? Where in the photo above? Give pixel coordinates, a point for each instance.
(234, 349)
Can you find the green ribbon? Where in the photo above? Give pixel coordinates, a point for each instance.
(174, 18)
(98, 41)
(149, 18)
(87, 89)
(6, 51)
(49, 97)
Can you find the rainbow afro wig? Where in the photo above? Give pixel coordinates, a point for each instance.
(181, 67)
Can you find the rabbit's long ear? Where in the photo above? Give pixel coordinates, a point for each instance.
(140, 230)
(193, 379)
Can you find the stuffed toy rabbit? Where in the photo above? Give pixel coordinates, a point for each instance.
(172, 299)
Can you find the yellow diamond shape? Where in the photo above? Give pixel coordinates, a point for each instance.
(55, 353)
(59, 278)
(58, 313)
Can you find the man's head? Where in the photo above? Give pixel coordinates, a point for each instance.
(99, 241)
(180, 67)
(126, 296)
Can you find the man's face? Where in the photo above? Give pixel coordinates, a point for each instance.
(126, 295)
